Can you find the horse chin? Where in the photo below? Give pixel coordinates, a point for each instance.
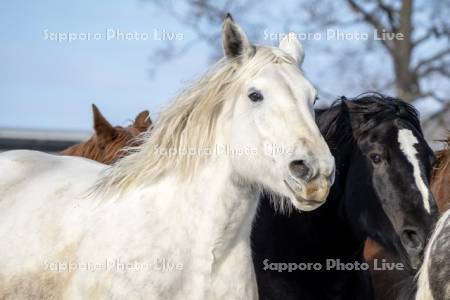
(307, 197)
(415, 261)
(412, 260)
(305, 205)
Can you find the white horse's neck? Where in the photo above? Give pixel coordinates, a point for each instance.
(225, 206)
(216, 209)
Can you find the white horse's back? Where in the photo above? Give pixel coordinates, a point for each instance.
(61, 241)
(39, 189)
(40, 200)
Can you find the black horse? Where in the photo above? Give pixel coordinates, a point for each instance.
(381, 191)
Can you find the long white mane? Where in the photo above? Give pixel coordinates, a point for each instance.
(189, 123)
(164, 202)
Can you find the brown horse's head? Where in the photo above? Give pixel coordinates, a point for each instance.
(105, 145)
(440, 182)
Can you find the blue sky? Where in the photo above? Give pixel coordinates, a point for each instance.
(51, 84)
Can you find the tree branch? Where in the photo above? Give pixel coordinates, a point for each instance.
(390, 12)
(435, 69)
(369, 18)
(438, 114)
(435, 97)
(431, 59)
(432, 31)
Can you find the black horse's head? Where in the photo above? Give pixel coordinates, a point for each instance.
(388, 166)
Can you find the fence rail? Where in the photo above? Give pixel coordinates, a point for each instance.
(41, 140)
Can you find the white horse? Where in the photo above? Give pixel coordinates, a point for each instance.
(433, 278)
(173, 219)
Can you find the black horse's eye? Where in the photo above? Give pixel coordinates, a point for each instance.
(376, 158)
(255, 96)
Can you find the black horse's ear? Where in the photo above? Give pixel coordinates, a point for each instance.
(356, 119)
(235, 41)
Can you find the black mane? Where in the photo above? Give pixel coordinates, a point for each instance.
(353, 210)
(370, 108)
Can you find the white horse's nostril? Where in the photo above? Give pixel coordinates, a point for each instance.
(301, 170)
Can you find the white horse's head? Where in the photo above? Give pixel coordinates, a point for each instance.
(273, 113)
(258, 104)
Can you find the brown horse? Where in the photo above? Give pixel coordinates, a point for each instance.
(387, 284)
(440, 184)
(105, 145)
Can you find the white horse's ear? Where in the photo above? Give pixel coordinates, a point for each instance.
(292, 46)
(234, 40)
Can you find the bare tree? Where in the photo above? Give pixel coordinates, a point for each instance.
(204, 18)
(399, 21)
(418, 55)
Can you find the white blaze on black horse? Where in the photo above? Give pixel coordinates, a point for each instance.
(407, 142)
(381, 191)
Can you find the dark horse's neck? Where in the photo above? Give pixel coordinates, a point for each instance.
(323, 236)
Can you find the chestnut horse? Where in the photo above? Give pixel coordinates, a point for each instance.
(388, 284)
(441, 178)
(105, 145)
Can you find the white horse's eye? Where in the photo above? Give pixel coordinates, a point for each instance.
(255, 96)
